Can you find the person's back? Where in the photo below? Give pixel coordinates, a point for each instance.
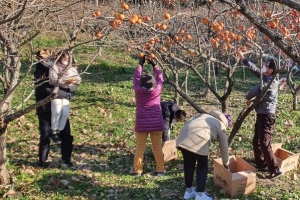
(148, 110)
(203, 130)
(168, 110)
(148, 116)
(171, 114)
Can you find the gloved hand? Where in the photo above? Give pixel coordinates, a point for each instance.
(151, 62)
(142, 61)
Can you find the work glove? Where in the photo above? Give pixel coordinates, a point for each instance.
(142, 61)
(151, 62)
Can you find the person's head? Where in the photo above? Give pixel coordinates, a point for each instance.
(63, 57)
(46, 57)
(148, 82)
(180, 115)
(269, 67)
(44, 54)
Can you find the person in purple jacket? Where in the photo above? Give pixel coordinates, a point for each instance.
(148, 116)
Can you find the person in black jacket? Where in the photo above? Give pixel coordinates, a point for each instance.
(42, 90)
(171, 114)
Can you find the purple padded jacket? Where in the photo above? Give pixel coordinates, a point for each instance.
(148, 114)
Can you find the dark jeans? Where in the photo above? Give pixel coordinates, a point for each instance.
(189, 163)
(263, 153)
(45, 132)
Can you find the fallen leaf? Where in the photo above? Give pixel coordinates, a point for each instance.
(64, 182)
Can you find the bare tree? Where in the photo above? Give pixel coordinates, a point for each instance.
(20, 23)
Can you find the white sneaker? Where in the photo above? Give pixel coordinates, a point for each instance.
(202, 197)
(189, 195)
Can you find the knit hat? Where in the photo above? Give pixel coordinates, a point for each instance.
(229, 118)
(148, 81)
(220, 116)
(272, 64)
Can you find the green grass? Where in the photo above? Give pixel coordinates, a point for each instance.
(102, 119)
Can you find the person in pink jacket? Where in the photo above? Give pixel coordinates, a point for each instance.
(148, 116)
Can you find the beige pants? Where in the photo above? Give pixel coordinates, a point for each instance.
(141, 140)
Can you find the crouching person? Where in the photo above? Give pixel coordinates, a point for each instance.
(194, 141)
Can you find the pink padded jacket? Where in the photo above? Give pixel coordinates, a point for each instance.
(148, 114)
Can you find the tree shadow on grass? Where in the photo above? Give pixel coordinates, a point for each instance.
(102, 172)
(91, 186)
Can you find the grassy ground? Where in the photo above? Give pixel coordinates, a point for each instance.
(102, 119)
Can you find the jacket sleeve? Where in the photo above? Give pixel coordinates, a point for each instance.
(223, 143)
(41, 71)
(43, 90)
(159, 76)
(252, 67)
(137, 77)
(53, 73)
(253, 92)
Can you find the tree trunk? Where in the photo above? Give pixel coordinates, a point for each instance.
(295, 101)
(207, 79)
(176, 95)
(186, 81)
(4, 175)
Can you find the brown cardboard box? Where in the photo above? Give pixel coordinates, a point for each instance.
(286, 160)
(169, 150)
(241, 179)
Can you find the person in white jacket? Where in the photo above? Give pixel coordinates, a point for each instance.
(194, 141)
(60, 107)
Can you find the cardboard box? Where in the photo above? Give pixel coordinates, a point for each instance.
(241, 179)
(169, 150)
(286, 160)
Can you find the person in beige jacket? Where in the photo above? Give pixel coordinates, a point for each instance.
(194, 141)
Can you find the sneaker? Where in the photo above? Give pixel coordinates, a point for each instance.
(202, 196)
(189, 195)
(161, 173)
(56, 138)
(277, 174)
(137, 175)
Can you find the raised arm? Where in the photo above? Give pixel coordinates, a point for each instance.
(252, 67)
(159, 76)
(137, 76)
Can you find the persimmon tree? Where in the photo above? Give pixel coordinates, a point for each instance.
(176, 42)
(188, 38)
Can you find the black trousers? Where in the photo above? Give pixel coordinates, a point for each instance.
(189, 163)
(45, 132)
(263, 153)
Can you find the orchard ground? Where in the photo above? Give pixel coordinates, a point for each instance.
(102, 120)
